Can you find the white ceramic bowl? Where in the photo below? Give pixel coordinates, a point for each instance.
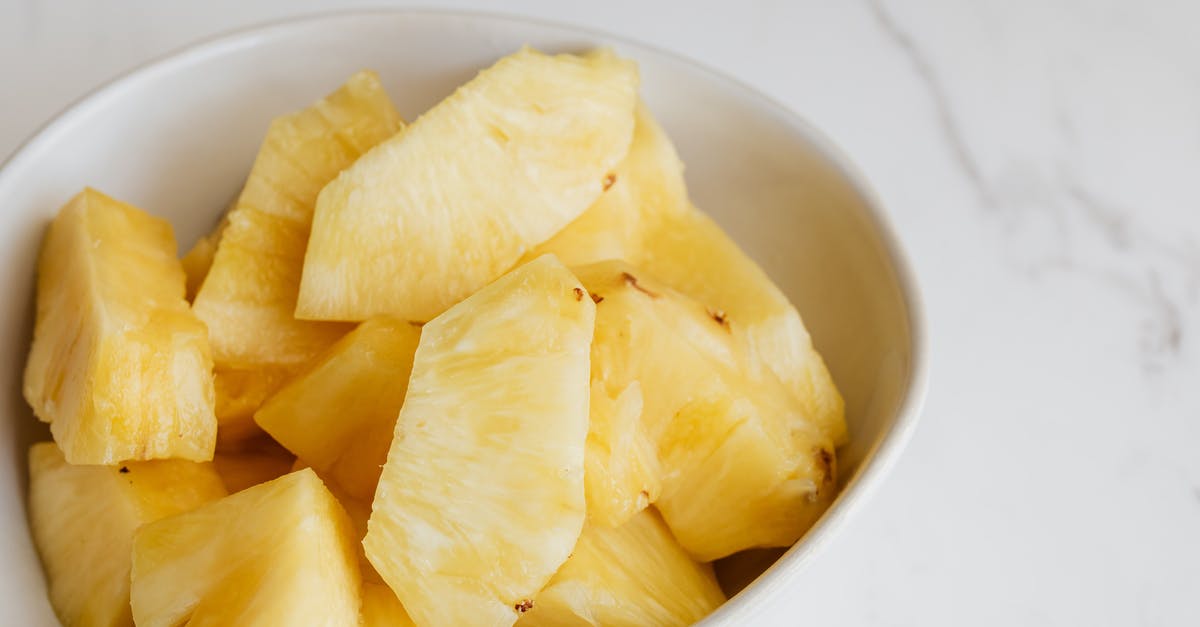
(176, 137)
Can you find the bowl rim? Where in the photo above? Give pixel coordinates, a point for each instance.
(879, 459)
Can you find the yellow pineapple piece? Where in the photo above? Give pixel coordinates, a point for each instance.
(119, 365)
(83, 519)
(279, 553)
(249, 294)
(259, 461)
(239, 393)
(635, 574)
(340, 413)
(482, 496)
(427, 218)
(647, 220)
(724, 431)
(381, 608)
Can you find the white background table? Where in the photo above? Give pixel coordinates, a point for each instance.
(1042, 163)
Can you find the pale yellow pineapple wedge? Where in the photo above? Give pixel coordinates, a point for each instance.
(724, 431)
(427, 218)
(83, 519)
(279, 553)
(119, 365)
(249, 294)
(633, 575)
(647, 219)
(340, 413)
(259, 461)
(482, 496)
(239, 393)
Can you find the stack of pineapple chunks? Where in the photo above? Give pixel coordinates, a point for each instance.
(489, 368)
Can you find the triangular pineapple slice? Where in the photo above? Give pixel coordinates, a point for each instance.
(647, 220)
(725, 431)
(635, 574)
(249, 294)
(119, 365)
(427, 218)
(340, 413)
(83, 519)
(481, 498)
(279, 553)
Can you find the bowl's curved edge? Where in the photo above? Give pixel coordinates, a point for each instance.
(880, 459)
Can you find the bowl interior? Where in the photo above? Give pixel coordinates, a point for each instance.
(176, 138)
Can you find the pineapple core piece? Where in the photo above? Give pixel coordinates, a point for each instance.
(738, 465)
(430, 216)
(279, 553)
(248, 295)
(633, 575)
(482, 497)
(646, 219)
(120, 367)
(339, 415)
(83, 519)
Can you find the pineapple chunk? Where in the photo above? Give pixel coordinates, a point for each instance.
(119, 365)
(646, 188)
(340, 414)
(427, 218)
(647, 220)
(260, 461)
(635, 574)
(279, 553)
(381, 608)
(482, 498)
(83, 519)
(249, 294)
(724, 431)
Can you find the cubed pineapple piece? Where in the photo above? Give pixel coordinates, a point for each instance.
(482, 496)
(340, 413)
(248, 297)
(427, 218)
(83, 519)
(724, 431)
(120, 367)
(633, 575)
(647, 220)
(260, 460)
(279, 553)
(381, 608)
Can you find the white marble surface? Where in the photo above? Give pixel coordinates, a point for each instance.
(1042, 163)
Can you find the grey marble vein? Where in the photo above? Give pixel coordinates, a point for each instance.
(941, 101)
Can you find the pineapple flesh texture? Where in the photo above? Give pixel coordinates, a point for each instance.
(340, 414)
(633, 575)
(248, 296)
(647, 220)
(482, 496)
(279, 553)
(199, 259)
(381, 608)
(738, 466)
(120, 367)
(429, 217)
(83, 520)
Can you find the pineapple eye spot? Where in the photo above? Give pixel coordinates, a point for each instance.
(578, 293)
(608, 181)
(596, 298)
(524, 606)
(632, 281)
